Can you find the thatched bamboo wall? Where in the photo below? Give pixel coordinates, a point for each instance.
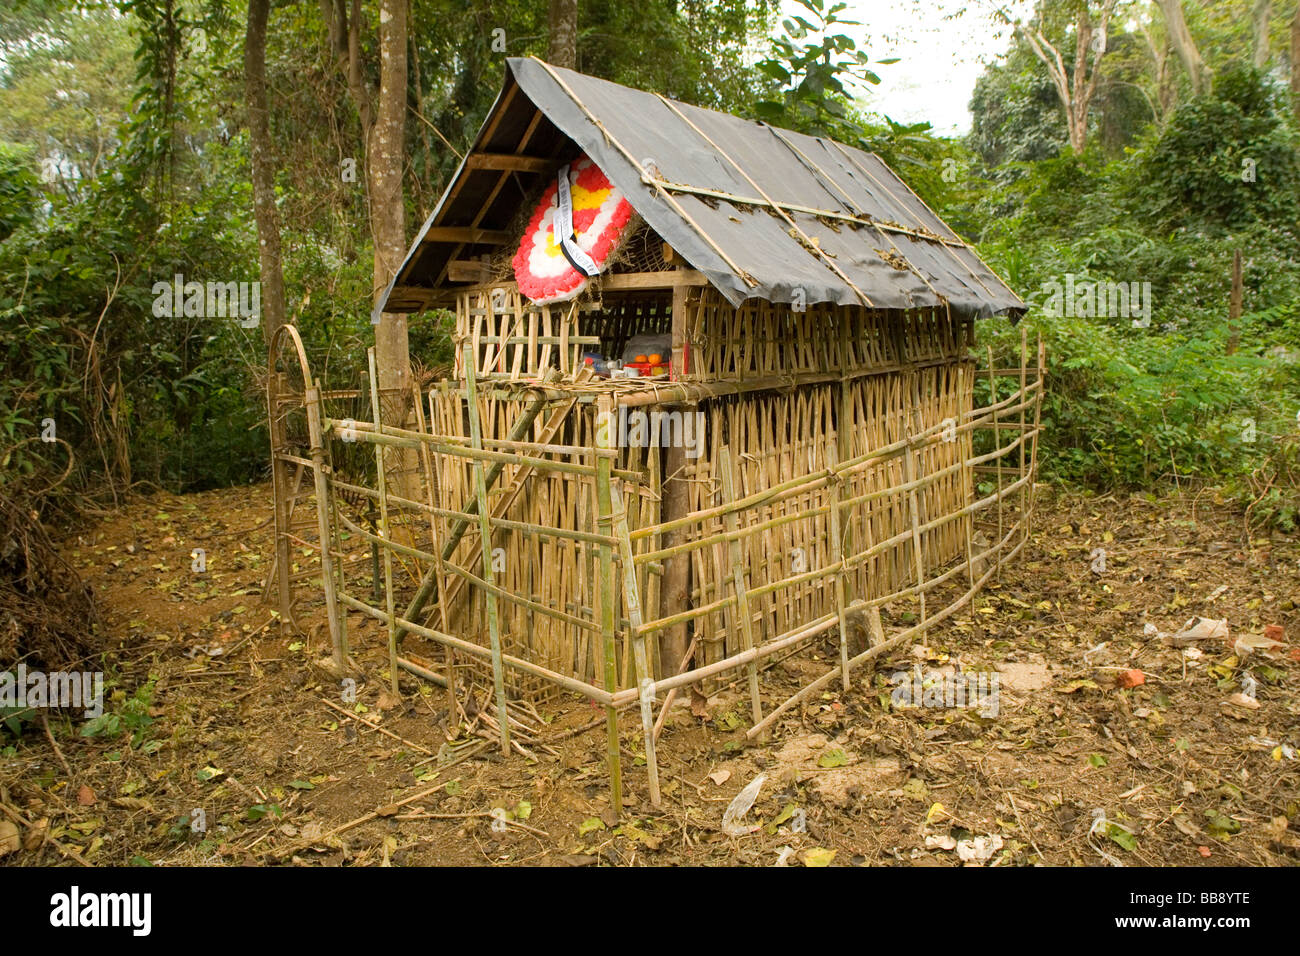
(877, 377)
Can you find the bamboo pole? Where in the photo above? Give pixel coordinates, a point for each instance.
(1038, 408)
(438, 567)
(485, 552)
(997, 442)
(460, 526)
(837, 556)
(897, 640)
(589, 691)
(338, 637)
(1024, 362)
(644, 670)
(280, 492)
(605, 558)
(384, 527)
(726, 466)
(914, 511)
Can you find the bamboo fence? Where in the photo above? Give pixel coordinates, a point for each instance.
(841, 470)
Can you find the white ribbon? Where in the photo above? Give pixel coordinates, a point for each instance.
(562, 226)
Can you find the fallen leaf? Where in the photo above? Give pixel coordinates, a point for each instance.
(699, 704)
(1248, 643)
(1076, 685)
(941, 842)
(720, 777)
(1200, 629)
(818, 856)
(978, 849)
(9, 842)
(85, 796)
(1130, 678)
(36, 834)
(832, 758)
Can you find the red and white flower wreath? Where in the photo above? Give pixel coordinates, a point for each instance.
(547, 267)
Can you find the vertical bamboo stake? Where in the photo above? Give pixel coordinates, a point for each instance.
(338, 638)
(834, 492)
(485, 551)
(439, 566)
(644, 671)
(914, 508)
(1024, 487)
(382, 487)
(997, 444)
(605, 507)
(967, 480)
(1038, 408)
(732, 523)
(280, 494)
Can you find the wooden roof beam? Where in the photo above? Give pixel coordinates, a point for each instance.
(509, 162)
(467, 235)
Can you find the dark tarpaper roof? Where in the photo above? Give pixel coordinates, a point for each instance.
(760, 211)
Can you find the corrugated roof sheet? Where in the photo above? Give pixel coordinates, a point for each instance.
(760, 211)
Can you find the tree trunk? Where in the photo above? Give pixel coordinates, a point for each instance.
(1076, 88)
(1262, 14)
(1184, 45)
(563, 49)
(1295, 63)
(386, 150)
(265, 212)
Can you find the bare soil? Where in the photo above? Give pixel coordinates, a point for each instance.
(220, 713)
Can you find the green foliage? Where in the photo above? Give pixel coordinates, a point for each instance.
(128, 714)
(1133, 407)
(813, 66)
(1225, 160)
(1016, 115)
(19, 188)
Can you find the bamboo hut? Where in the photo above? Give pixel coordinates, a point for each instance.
(713, 403)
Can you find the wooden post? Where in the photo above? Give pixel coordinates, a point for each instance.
(1235, 305)
(731, 521)
(485, 552)
(605, 559)
(381, 485)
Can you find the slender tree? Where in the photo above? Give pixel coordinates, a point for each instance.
(265, 212)
(1260, 17)
(563, 48)
(1075, 85)
(1176, 25)
(1295, 63)
(382, 113)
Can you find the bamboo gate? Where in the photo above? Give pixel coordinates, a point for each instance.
(514, 537)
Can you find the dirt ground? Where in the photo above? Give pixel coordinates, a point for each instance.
(225, 749)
